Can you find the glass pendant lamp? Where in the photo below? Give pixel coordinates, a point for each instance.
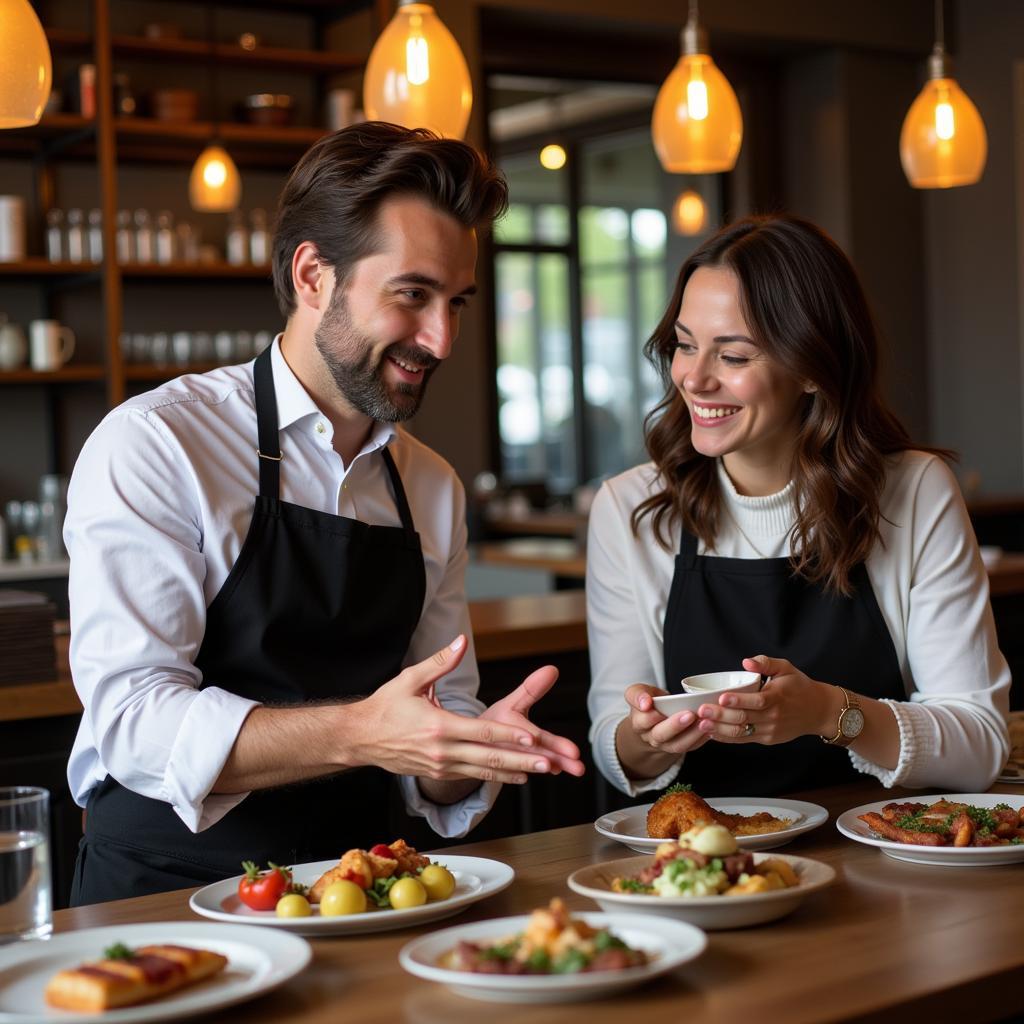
(214, 185)
(26, 71)
(697, 127)
(943, 142)
(689, 213)
(417, 76)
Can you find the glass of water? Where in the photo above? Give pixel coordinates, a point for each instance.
(26, 906)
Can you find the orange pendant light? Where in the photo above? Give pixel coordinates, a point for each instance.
(689, 213)
(214, 185)
(943, 142)
(26, 71)
(417, 76)
(697, 127)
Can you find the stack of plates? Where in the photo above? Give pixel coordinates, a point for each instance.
(26, 638)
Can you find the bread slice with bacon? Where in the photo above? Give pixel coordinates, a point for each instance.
(130, 977)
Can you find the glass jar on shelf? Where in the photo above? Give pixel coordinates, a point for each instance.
(55, 235)
(74, 237)
(187, 242)
(125, 237)
(259, 238)
(145, 247)
(95, 247)
(165, 238)
(237, 240)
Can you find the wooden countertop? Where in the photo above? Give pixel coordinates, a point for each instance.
(887, 942)
(515, 627)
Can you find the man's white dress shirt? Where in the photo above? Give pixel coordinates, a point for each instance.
(158, 508)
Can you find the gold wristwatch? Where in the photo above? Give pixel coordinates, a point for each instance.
(850, 723)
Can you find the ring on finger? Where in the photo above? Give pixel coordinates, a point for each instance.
(749, 729)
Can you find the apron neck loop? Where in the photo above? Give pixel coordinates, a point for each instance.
(269, 449)
(401, 501)
(688, 549)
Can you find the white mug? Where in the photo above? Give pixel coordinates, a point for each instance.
(51, 344)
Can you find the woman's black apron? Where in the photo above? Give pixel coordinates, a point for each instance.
(722, 610)
(316, 608)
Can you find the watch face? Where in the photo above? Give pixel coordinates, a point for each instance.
(852, 722)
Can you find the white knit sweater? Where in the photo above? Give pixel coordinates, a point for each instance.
(928, 579)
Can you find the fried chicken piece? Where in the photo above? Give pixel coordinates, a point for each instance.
(408, 859)
(678, 811)
(900, 835)
(354, 866)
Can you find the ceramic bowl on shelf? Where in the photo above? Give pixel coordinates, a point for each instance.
(270, 109)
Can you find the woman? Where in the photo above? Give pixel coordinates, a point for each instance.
(787, 525)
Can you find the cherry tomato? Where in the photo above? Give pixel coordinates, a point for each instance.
(407, 892)
(342, 898)
(293, 905)
(261, 890)
(380, 850)
(438, 881)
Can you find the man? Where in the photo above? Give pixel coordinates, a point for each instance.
(268, 621)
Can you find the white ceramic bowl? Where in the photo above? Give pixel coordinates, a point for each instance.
(711, 913)
(706, 689)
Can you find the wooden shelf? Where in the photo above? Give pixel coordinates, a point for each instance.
(192, 51)
(197, 271)
(202, 131)
(68, 40)
(74, 374)
(146, 371)
(37, 267)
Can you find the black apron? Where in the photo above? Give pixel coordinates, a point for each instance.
(722, 610)
(317, 607)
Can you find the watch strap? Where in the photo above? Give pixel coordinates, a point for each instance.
(839, 740)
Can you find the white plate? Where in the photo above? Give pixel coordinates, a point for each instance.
(669, 943)
(258, 961)
(629, 826)
(852, 827)
(476, 878)
(709, 912)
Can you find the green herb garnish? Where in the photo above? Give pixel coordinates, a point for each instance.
(503, 951)
(632, 885)
(678, 787)
(572, 961)
(539, 961)
(604, 940)
(118, 951)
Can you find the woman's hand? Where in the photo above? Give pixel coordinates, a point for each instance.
(648, 743)
(790, 704)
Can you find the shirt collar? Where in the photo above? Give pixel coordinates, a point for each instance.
(295, 403)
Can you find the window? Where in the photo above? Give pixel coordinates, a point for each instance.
(585, 262)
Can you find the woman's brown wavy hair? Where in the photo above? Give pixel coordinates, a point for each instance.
(806, 310)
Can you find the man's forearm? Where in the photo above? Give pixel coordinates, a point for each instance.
(276, 746)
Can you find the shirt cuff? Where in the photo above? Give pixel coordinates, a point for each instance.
(452, 821)
(912, 722)
(205, 738)
(608, 759)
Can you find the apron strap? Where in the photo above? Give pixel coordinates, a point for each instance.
(688, 548)
(396, 485)
(269, 450)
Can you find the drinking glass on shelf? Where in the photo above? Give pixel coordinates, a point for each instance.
(181, 348)
(96, 236)
(55, 235)
(165, 238)
(223, 346)
(126, 252)
(202, 347)
(237, 240)
(243, 346)
(259, 237)
(187, 242)
(260, 340)
(74, 237)
(145, 249)
(160, 349)
(26, 902)
(140, 348)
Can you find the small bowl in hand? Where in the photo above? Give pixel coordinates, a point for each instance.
(706, 689)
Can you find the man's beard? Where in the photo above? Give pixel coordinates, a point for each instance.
(348, 356)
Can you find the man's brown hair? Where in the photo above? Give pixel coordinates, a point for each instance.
(333, 195)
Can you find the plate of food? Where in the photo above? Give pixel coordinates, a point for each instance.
(959, 829)
(552, 956)
(129, 973)
(757, 824)
(705, 879)
(376, 890)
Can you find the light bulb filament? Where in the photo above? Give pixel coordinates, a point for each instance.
(215, 173)
(417, 60)
(945, 123)
(697, 99)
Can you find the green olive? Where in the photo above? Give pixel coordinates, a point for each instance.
(438, 881)
(406, 893)
(293, 905)
(342, 898)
